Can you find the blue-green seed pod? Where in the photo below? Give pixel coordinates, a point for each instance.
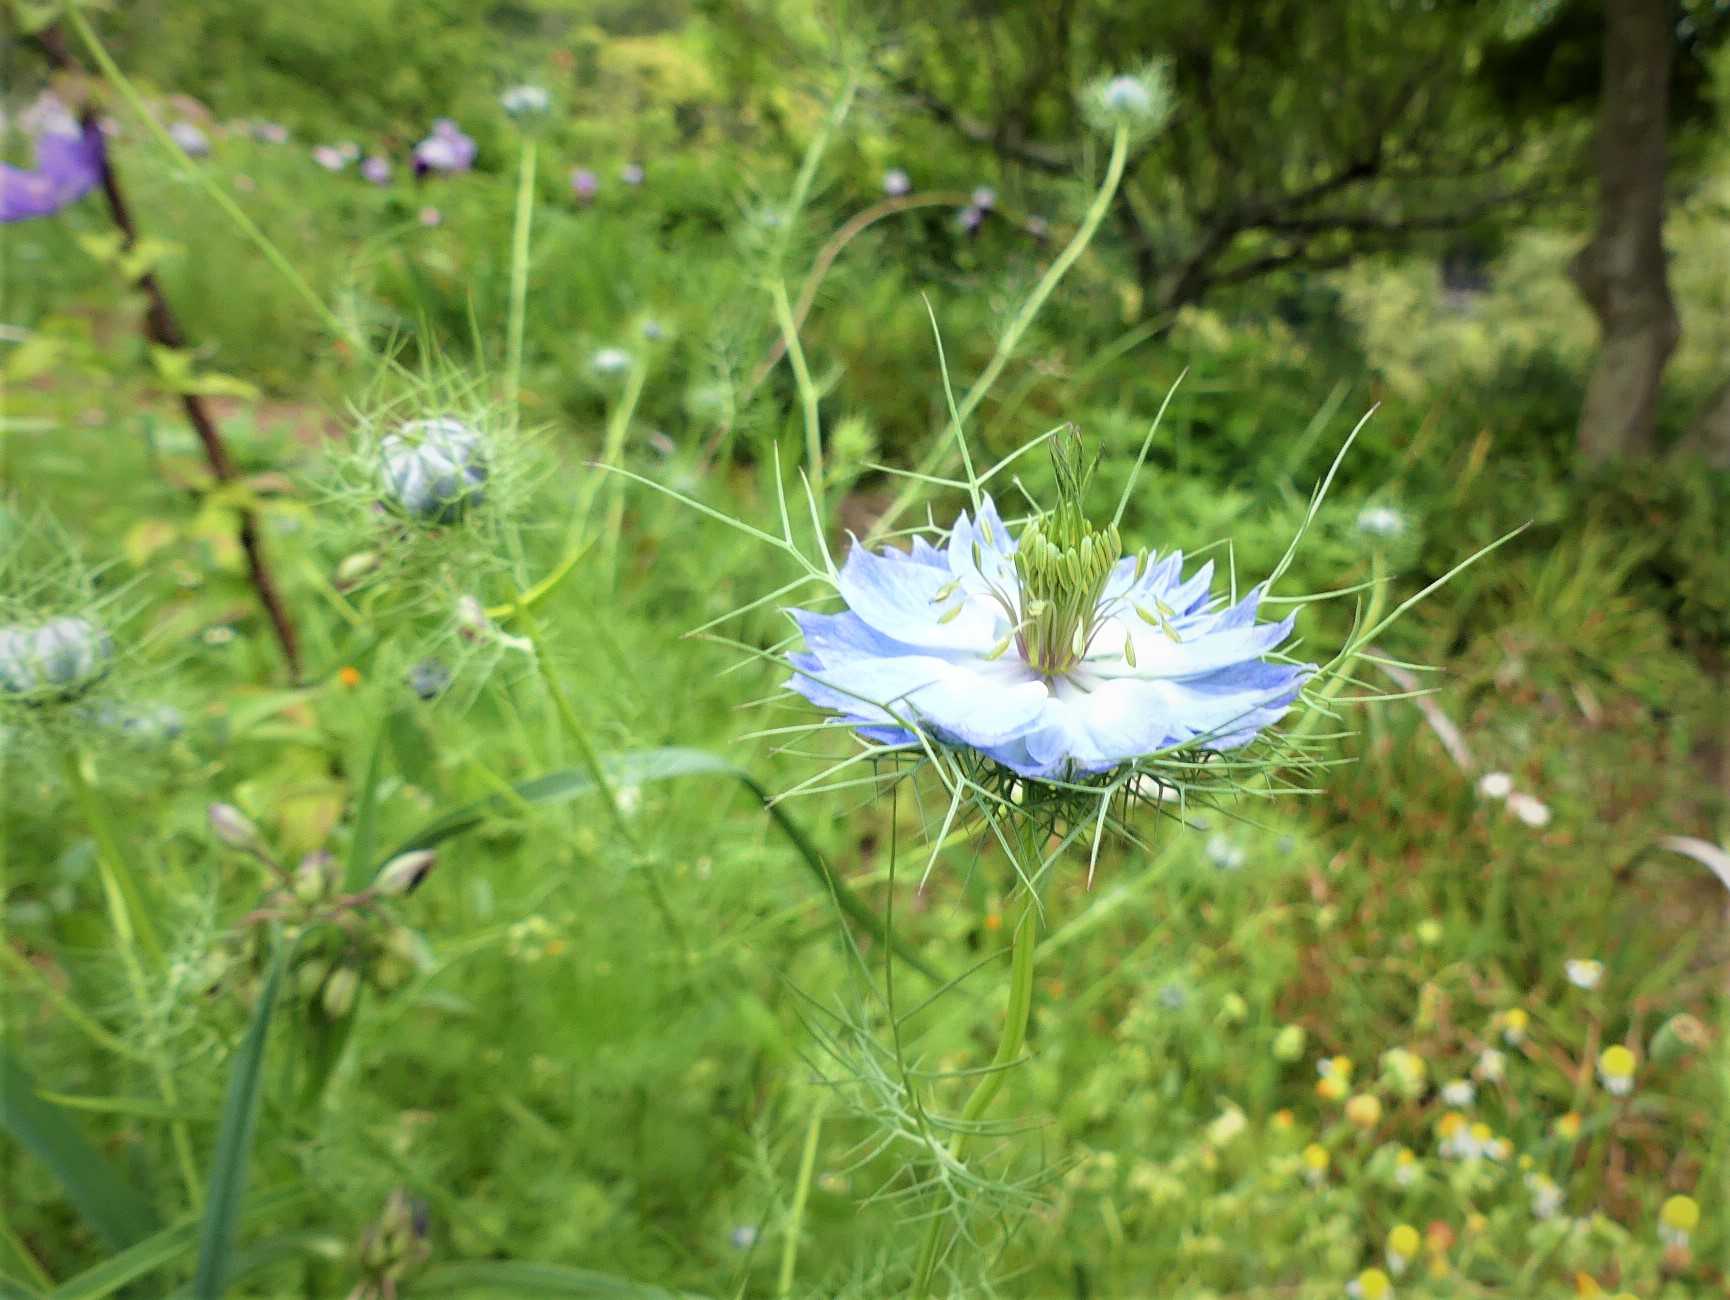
(61, 657)
(434, 470)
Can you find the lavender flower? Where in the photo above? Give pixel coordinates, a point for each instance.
(584, 184)
(632, 173)
(447, 149)
(970, 219)
(896, 182)
(69, 164)
(1046, 653)
(329, 157)
(376, 169)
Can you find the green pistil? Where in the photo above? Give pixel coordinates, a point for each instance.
(1063, 563)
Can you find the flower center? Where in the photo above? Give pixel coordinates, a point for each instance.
(1062, 564)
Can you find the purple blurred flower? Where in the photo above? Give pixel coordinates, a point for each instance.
(896, 182)
(632, 173)
(192, 141)
(69, 164)
(971, 218)
(270, 132)
(985, 198)
(430, 216)
(447, 149)
(329, 157)
(584, 184)
(376, 170)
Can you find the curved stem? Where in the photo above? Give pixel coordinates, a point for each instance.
(937, 459)
(1010, 1042)
(520, 273)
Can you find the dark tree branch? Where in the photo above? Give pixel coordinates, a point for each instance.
(161, 328)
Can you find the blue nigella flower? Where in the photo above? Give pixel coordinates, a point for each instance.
(69, 164)
(1046, 653)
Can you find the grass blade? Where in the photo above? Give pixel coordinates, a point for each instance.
(234, 1146)
(161, 1249)
(114, 1209)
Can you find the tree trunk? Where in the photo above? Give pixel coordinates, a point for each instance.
(1621, 272)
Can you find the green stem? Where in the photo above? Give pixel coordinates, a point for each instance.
(132, 931)
(807, 394)
(1009, 1046)
(937, 459)
(801, 1192)
(520, 272)
(612, 451)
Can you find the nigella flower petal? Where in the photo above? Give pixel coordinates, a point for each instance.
(968, 704)
(981, 551)
(918, 604)
(1177, 651)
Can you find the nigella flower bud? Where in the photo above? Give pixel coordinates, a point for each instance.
(404, 873)
(340, 991)
(525, 101)
(1381, 521)
(609, 362)
(433, 470)
(429, 679)
(233, 827)
(1140, 102)
(60, 658)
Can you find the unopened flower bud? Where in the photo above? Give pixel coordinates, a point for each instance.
(309, 976)
(525, 101)
(404, 873)
(234, 828)
(1288, 1044)
(355, 567)
(340, 991)
(61, 657)
(433, 470)
(1140, 103)
(316, 877)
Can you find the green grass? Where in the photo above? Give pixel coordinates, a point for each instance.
(600, 1071)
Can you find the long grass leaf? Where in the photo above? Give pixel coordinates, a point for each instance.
(162, 1249)
(234, 1145)
(115, 1210)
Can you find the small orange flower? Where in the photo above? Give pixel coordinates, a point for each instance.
(349, 676)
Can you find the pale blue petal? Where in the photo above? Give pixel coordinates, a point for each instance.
(900, 599)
